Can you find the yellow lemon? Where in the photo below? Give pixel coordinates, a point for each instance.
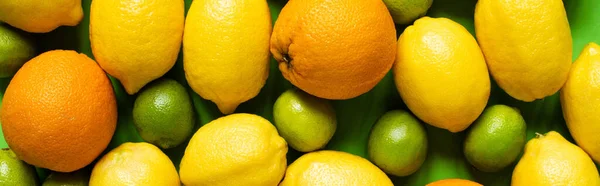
(580, 100)
(136, 41)
(226, 50)
(527, 45)
(135, 164)
(40, 16)
(334, 168)
(238, 149)
(441, 73)
(552, 160)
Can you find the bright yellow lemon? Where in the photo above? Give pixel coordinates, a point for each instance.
(552, 160)
(334, 168)
(527, 45)
(580, 100)
(441, 74)
(135, 164)
(238, 149)
(136, 41)
(40, 16)
(226, 50)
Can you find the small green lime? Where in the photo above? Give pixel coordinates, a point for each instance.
(13, 171)
(306, 122)
(406, 11)
(77, 178)
(163, 113)
(495, 139)
(16, 48)
(398, 143)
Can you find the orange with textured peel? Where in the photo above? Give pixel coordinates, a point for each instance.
(334, 49)
(59, 111)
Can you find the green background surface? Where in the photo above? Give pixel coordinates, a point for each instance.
(356, 116)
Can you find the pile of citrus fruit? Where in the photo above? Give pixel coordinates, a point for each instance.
(302, 92)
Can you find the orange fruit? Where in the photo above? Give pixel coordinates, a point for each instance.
(59, 111)
(334, 49)
(454, 182)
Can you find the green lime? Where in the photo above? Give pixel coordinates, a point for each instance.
(495, 139)
(77, 178)
(306, 122)
(406, 11)
(13, 171)
(163, 114)
(16, 48)
(398, 143)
